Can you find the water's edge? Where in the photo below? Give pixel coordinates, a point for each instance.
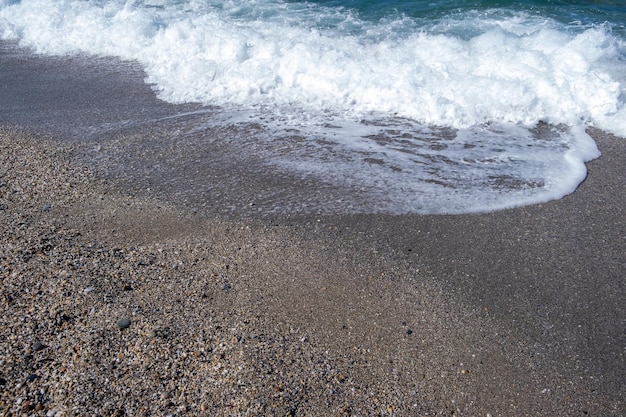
(175, 152)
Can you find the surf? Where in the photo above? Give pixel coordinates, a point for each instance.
(444, 113)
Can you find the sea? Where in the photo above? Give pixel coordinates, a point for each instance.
(429, 107)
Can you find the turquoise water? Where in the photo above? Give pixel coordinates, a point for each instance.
(576, 14)
(587, 12)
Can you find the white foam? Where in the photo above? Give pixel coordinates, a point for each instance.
(195, 52)
(441, 170)
(278, 57)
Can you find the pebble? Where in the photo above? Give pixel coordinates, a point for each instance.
(32, 377)
(27, 406)
(37, 346)
(123, 323)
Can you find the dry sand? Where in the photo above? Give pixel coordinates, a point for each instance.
(519, 312)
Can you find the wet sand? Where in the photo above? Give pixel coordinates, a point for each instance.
(518, 312)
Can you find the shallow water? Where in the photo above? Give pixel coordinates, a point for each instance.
(445, 107)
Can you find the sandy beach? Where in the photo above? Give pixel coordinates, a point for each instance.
(115, 304)
(124, 293)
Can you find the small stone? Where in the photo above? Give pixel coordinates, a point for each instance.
(123, 323)
(37, 346)
(32, 377)
(163, 333)
(409, 332)
(46, 207)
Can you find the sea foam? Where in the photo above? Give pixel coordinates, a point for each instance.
(483, 76)
(195, 51)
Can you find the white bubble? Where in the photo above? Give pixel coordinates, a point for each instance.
(313, 67)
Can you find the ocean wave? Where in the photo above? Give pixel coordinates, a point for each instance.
(518, 69)
(475, 111)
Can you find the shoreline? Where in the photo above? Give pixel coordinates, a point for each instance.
(187, 153)
(518, 312)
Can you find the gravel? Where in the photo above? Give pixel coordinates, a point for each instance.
(236, 318)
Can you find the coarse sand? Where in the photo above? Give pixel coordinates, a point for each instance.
(118, 304)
